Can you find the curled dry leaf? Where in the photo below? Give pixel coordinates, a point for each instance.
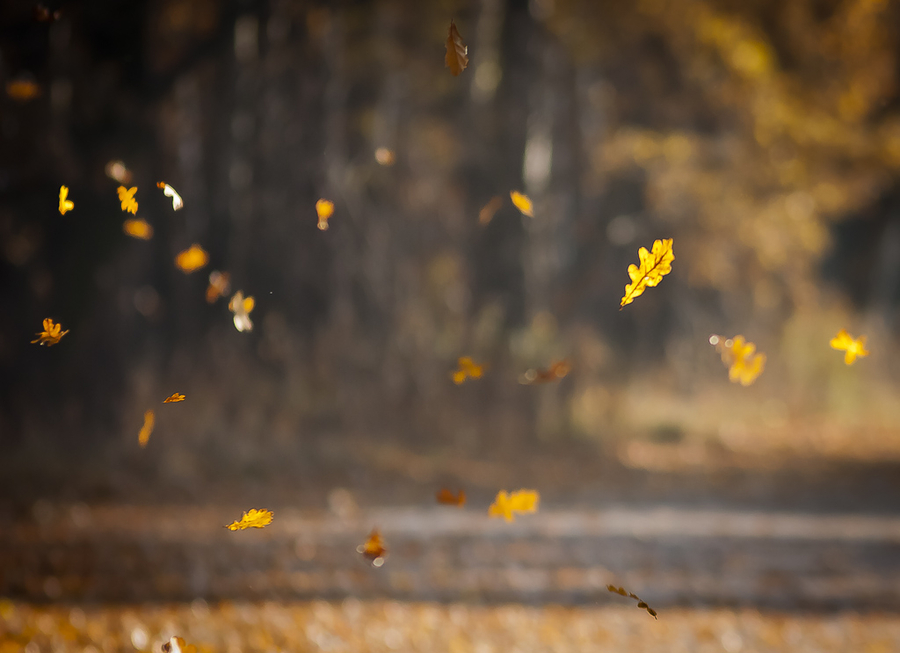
(252, 519)
(126, 197)
(843, 341)
(138, 228)
(65, 204)
(506, 505)
(457, 57)
(147, 428)
(555, 372)
(373, 549)
(51, 334)
(193, 258)
(522, 202)
(448, 498)
(744, 365)
(467, 368)
(324, 209)
(174, 398)
(654, 265)
(641, 604)
(219, 285)
(168, 191)
(241, 307)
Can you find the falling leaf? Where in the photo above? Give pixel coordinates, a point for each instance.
(168, 191)
(506, 504)
(467, 369)
(654, 266)
(126, 197)
(178, 645)
(252, 519)
(843, 341)
(117, 171)
(739, 356)
(241, 307)
(457, 52)
(324, 209)
(147, 428)
(487, 212)
(138, 228)
(640, 603)
(65, 204)
(219, 285)
(51, 334)
(175, 397)
(522, 202)
(23, 90)
(373, 550)
(555, 372)
(384, 156)
(447, 497)
(193, 258)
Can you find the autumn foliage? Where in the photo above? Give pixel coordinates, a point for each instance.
(654, 265)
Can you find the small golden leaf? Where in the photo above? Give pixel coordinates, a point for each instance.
(64, 203)
(467, 368)
(51, 334)
(843, 341)
(522, 202)
(506, 505)
(147, 428)
(324, 209)
(138, 228)
(175, 397)
(739, 356)
(456, 58)
(191, 259)
(654, 265)
(126, 197)
(252, 519)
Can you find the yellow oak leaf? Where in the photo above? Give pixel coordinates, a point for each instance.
(241, 307)
(505, 505)
(168, 191)
(138, 229)
(522, 202)
(456, 58)
(744, 364)
(654, 265)
(126, 197)
(467, 369)
(51, 334)
(147, 428)
(175, 397)
(373, 549)
(843, 341)
(252, 519)
(324, 209)
(65, 204)
(193, 258)
(641, 604)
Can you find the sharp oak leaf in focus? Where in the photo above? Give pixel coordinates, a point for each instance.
(456, 58)
(252, 519)
(126, 197)
(843, 341)
(654, 265)
(505, 505)
(51, 334)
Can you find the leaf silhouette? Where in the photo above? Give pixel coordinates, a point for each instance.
(126, 197)
(138, 228)
(252, 519)
(843, 341)
(456, 58)
(522, 202)
(506, 505)
(654, 265)
(147, 428)
(641, 604)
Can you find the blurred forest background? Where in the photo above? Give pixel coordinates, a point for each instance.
(763, 136)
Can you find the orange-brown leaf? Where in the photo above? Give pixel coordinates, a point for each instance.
(147, 428)
(373, 549)
(641, 604)
(126, 197)
(843, 341)
(193, 258)
(448, 498)
(51, 334)
(457, 58)
(555, 372)
(489, 210)
(138, 228)
(175, 397)
(22, 90)
(219, 285)
(252, 519)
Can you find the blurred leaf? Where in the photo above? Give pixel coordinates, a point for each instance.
(505, 505)
(456, 58)
(219, 285)
(843, 341)
(168, 191)
(324, 209)
(175, 397)
(193, 258)
(654, 265)
(489, 210)
(522, 202)
(555, 372)
(373, 550)
(147, 428)
(138, 228)
(738, 355)
(126, 197)
(65, 204)
(23, 90)
(178, 645)
(252, 519)
(241, 308)
(447, 497)
(467, 369)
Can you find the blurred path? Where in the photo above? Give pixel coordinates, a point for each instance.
(669, 556)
